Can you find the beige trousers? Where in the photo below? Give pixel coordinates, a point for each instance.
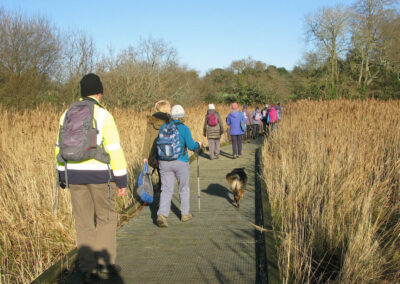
(93, 207)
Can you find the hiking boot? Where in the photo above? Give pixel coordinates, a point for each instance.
(235, 156)
(162, 221)
(186, 217)
(239, 156)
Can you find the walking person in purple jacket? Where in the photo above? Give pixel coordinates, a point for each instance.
(233, 120)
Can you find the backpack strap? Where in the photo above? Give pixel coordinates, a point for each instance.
(93, 101)
(100, 152)
(241, 116)
(184, 149)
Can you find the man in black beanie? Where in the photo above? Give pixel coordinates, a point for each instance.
(93, 181)
(91, 85)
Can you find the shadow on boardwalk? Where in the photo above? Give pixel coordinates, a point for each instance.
(217, 246)
(220, 191)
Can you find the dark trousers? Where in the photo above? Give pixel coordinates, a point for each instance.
(265, 125)
(256, 130)
(247, 134)
(271, 128)
(237, 144)
(158, 187)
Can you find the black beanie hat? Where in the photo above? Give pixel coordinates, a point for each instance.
(91, 85)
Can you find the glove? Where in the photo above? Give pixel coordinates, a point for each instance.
(63, 185)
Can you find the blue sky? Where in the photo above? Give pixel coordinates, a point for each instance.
(206, 34)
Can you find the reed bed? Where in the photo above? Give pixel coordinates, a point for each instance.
(31, 237)
(332, 173)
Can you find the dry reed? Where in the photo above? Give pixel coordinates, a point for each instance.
(332, 173)
(31, 237)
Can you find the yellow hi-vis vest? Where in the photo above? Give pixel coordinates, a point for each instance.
(92, 171)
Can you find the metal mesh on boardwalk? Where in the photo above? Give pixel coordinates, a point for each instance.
(217, 246)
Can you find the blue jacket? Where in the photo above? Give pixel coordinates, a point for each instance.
(233, 120)
(185, 137)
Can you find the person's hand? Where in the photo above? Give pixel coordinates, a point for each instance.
(121, 191)
(62, 184)
(145, 160)
(200, 144)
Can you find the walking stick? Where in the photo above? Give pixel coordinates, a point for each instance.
(198, 179)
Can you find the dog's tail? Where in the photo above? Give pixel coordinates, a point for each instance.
(236, 183)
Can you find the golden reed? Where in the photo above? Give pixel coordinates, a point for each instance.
(332, 173)
(31, 238)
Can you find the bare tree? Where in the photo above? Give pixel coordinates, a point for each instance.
(156, 54)
(78, 54)
(367, 17)
(391, 52)
(329, 29)
(146, 73)
(29, 49)
(311, 61)
(142, 74)
(239, 66)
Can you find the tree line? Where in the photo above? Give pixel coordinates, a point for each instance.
(354, 52)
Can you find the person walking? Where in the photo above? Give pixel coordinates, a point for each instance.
(176, 168)
(93, 182)
(213, 129)
(246, 114)
(278, 109)
(154, 123)
(256, 121)
(272, 119)
(264, 113)
(234, 120)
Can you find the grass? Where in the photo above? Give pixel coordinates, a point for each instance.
(31, 237)
(332, 172)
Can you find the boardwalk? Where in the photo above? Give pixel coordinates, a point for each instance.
(217, 246)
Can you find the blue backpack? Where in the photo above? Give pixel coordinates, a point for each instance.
(169, 146)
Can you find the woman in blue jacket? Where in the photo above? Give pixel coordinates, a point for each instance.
(179, 169)
(233, 120)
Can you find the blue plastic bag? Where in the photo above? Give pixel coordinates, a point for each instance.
(145, 185)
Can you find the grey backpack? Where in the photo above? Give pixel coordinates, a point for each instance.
(78, 135)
